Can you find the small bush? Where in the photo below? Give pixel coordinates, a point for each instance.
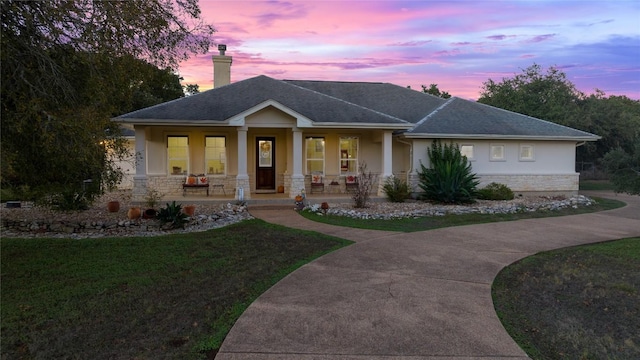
(396, 189)
(172, 214)
(495, 191)
(365, 182)
(71, 200)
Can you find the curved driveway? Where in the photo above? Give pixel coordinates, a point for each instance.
(421, 295)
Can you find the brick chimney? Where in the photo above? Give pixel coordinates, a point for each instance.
(221, 68)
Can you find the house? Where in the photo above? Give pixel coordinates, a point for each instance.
(261, 134)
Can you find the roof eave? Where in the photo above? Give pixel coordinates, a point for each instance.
(171, 122)
(500, 137)
(335, 125)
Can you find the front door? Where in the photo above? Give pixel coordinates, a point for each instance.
(265, 163)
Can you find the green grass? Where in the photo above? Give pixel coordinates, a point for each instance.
(149, 297)
(574, 303)
(598, 185)
(434, 222)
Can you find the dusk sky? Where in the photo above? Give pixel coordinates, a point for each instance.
(455, 44)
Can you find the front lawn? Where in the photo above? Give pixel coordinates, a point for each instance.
(435, 222)
(145, 298)
(574, 303)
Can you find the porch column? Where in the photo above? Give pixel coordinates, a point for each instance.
(387, 161)
(242, 179)
(140, 178)
(297, 178)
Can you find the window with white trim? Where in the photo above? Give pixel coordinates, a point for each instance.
(178, 154)
(315, 155)
(348, 155)
(526, 152)
(215, 155)
(467, 150)
(497, 153)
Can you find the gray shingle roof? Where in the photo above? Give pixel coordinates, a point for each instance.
(357, 104)
(221, 104)
(467, 118)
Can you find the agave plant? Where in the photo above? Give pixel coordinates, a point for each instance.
(449, 179)
(172, 214)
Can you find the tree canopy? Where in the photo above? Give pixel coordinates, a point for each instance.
(551, 96)
(69, 66)
(433, 90)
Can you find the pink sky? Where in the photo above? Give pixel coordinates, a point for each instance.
(455, 44)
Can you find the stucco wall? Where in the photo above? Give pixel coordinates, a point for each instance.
(552, 169)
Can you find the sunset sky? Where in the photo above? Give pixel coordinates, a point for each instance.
(455, 44)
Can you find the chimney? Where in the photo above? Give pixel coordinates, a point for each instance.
(221, 68)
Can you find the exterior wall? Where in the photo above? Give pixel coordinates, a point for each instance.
(128, 166)
(551, 171)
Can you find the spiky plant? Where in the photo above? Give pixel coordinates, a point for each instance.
(449, 179)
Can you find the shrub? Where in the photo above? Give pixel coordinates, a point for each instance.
(71, 200)
(396, 189)
(495, 191)
(172, 214)
(365, 183)
(449, 180)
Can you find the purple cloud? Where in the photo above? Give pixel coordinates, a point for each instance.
(540, 38)
(412, 43)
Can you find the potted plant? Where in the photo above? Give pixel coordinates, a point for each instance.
(189, 209)
(133, 213)
(113, 206)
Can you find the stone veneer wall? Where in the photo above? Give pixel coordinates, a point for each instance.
(172, 185)
(566, 184)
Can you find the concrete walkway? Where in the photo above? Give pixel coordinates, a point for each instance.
(422, 295)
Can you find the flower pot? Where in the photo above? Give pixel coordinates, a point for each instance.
(280, 189)
(149, 214)
(113, 206)
(298, 198)
(133, 213)
(189, 209)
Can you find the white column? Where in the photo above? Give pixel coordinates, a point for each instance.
(387, 154)
(242, 179)
(297, 152)
(387, 161)
(242, 152)
(297, 177)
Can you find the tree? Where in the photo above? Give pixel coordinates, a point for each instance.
(547, 96)
(624, 169)
(69, 66)
(191, 89)
(433, 90)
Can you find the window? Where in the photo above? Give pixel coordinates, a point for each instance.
(467, 150)
(526, 153)
(215, 155)
(497, 153)
(315, 155)
(349, 155)
(178, 155)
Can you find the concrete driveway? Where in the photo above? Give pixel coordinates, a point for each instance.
(421, 295)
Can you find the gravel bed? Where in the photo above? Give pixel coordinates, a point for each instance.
(31, 221)
(412, 209)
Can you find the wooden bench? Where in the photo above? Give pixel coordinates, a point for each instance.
(195, 186)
